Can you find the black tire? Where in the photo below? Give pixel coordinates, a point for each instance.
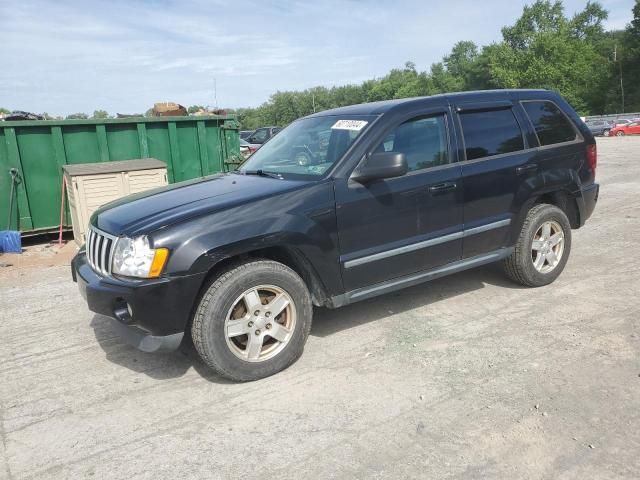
(208, 329)
(519, 265)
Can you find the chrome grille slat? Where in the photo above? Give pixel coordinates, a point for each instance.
(99, 243)
(103, 252)
(94, 248)
(87, 240)
(100, 248)
(89, 245)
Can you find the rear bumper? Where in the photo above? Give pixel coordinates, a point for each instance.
(587, 199)
(152, 315)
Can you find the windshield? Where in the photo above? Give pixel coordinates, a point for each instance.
(309, 147)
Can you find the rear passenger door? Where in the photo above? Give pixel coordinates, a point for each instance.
(496, 160)
(559, 146)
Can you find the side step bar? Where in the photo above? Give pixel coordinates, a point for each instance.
(417, 278)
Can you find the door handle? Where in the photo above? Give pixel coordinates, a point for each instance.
(529, 168)
(442, 187)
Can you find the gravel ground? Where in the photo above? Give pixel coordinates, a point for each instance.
(469, 376)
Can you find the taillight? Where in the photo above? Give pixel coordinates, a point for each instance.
(592, 157)
(252, 150)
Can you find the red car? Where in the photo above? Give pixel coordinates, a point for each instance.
(632, 128)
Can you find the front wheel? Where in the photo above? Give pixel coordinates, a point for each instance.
(253, 320)
(542, 249)
(606, 133)
(619, 134)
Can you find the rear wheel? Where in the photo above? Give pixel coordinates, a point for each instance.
(542, 249)
(253, 320)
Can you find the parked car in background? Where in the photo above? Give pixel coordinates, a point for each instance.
(244, 134)
(632, 128)
(261, 135)
(622, 121)
(246, 149)
(340, 207)
(600, 127)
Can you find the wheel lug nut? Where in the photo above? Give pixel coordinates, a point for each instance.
(258, 332)
(268, 314)
(250, 324)
(268, 326)
(256, 313)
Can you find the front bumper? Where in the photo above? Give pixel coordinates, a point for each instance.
(152, 315)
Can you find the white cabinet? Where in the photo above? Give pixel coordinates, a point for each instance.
(91, 185)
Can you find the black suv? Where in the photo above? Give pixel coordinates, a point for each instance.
(342, 206)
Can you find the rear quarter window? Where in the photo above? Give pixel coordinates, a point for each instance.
(489, 133)
(550, 124)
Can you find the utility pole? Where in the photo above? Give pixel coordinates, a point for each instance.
(313, 100)
(615, 59)
(215, 94)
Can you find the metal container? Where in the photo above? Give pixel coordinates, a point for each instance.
(190, 147)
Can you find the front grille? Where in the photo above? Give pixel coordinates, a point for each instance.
(100, 248)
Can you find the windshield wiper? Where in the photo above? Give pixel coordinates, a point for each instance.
(262, 173)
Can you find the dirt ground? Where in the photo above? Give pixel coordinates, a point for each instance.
(469, 376)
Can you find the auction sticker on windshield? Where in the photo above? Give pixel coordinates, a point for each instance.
(356, 125)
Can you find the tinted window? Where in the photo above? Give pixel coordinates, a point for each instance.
(550, 123)
(422, 140)
(490, 133)
(260, 136)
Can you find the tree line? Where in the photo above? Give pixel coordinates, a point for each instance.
(597, 71)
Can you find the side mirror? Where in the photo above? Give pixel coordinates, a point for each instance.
(381, 165)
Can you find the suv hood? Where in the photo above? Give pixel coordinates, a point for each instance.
(147, 211)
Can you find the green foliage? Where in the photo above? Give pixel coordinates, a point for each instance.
(100, 114)
(4, 111)
(77, 116)
(544, 48)
(629, 58)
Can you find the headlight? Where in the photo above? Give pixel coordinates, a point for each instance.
(134, 258)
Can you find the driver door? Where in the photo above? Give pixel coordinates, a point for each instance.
(397, 226)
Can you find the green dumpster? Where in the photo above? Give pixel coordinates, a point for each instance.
(190, 146)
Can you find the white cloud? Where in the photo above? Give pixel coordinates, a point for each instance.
(74, 55)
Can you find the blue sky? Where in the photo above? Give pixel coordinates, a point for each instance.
(123, 55)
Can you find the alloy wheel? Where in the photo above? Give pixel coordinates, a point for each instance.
(260, 323)
(547, 247)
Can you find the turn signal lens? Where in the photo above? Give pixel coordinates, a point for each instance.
(158, 263)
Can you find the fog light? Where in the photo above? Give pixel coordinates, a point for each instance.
(123, 312)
